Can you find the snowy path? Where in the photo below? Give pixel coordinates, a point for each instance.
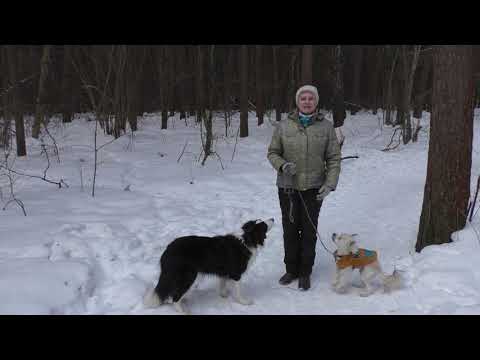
(108, 247)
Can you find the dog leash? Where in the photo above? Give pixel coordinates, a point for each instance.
(289, 192)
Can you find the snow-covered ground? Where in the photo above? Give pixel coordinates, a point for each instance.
(78, 254)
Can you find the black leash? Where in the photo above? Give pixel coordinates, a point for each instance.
(289, 192)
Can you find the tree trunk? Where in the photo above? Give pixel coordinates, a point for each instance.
(307, 65)
(410, 67)
(423, 87)
(260, 103)
(200, 85)
(67, 80)
(276, 84)
(227, 81)
(389, 87)
(16, 108)
(42, 91)
(119, 95)
(162, 77)
(357, 73)
(339, 113)
(243, 91)
(376, 66)
(208, 116)
(5, 112)
(447, 187)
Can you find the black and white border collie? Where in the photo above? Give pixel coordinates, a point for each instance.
(227, 256)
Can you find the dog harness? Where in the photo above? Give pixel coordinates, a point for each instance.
(362, 258)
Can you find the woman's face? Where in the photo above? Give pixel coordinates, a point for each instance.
(307, 102)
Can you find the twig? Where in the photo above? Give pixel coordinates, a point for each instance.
(5, 91)
(96, 153)
(387, 148)
(183, 150)
(474, 200)
(220, 159)
(35, 176)
(48, 160)
(236, 140)
(54, 143)
(19, 203)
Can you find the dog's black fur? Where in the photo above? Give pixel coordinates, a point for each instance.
(225, 256)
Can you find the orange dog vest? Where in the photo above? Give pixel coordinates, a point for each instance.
(362, 258)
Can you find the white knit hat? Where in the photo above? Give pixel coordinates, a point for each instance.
(309, 88)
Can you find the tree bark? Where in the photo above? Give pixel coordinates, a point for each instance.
(243, 91)
(339, 113)
(307, 65)
(447, 186)
(422, 86)
(42, 91)
(67, 85)
(276, 84)
(357, 73)
(12, 52)
(260, 103)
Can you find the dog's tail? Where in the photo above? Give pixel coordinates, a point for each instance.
(392, 282)
(151, 299)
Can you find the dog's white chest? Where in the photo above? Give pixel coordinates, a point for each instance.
(252, 258)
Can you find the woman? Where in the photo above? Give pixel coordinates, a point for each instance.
(305, 152)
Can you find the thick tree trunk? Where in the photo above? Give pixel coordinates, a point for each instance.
(42, 91)
(447, 187)
(243, 91)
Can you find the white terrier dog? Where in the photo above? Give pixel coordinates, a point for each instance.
(349, 257)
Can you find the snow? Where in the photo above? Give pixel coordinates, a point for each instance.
(78, 254)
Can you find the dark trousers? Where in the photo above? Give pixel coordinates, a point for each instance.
(299, 236)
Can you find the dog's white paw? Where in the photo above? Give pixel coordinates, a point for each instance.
(359, 285)
(180, 308)
(340, 290)
(244, 301)
(366, 293)
(224, 293)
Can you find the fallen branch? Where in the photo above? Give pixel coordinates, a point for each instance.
(36, 176)
(183, 150)
(388, 148)
(235, 146)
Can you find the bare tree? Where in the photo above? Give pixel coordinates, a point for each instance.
(17, 111)
(307, 65)
(243, 91)
(447, 186)
(409, 60)
(259, 84)
(42, 91)
(276, 83)
(357, 74)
